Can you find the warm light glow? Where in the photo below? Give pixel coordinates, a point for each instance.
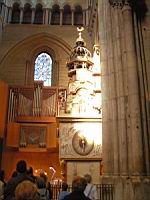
(96, 60)
(91, 131)
(38, 171)
(53, 173)
(52, 168)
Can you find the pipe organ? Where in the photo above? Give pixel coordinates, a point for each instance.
(34, 101)
(32, 113)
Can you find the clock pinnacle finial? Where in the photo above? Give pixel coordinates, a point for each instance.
(80, 29)
(80, 39)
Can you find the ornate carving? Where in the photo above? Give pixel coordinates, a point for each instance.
(33, 136)
(84, 148)
(82, 95)
(120, 3)
(116, 3)
(127, 2)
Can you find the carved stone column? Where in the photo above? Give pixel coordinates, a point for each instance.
(6, 14)
(2, 10)
(107, 108)
(61, 16)
(134, 130)
(46, 15)
(87, 17)
(118, 3)
(120, 140)
(21, 15)
(50, 16)
(33, 15)
(84, 17)
(72, 17)
(9, 14)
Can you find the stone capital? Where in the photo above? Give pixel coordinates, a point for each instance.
(116, 3)
(120, 3)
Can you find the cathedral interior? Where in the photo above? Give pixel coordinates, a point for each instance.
(75, 91)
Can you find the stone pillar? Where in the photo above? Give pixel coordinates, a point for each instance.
(3, 10)
(87, 17)
(6, 15)
(107, 83)
(50, 16)
(120, 140)
(46, 16)
(72, 17)
(21, 15)
(61, 16)
(84, 17)
(9, 14)
(33, 15)
(134, 136)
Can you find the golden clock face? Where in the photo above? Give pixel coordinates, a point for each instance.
(81, 144)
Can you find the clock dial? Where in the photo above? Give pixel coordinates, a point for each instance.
(81, 145)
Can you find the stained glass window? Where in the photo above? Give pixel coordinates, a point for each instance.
(43, 68)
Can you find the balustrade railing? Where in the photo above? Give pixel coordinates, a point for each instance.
(105, 191)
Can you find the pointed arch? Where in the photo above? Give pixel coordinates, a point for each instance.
(55, 19)
(78, 15)
(38, 19)
(15, 13)
(27, 13)
(43, 68)
(67, 15)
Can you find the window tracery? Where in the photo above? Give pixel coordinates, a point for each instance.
(43, 68)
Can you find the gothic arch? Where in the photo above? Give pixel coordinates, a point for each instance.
(15, 13)
(31, 62)
(66, 15)
(38, 19)
(55, 19)
(28, 50)
(78, 15)
(27, 13)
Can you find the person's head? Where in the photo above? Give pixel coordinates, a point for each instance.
(88, 178)
(64, 186)
(2, 175)
(40, 182)
(21, 166)
(29, 170)
(14, 174)
(43, 175)
(79, 184)
(26, 190)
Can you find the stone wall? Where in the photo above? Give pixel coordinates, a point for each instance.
(20, 42)
(146, 43)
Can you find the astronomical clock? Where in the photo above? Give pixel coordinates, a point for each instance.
(81, 140)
